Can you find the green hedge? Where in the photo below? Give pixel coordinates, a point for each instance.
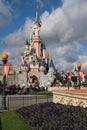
(44, 93)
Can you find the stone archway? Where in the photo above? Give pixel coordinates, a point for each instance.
(33, 79)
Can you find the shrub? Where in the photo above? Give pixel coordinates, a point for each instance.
(44, 93)
(74, 79)
(51, 116)
(84, 84)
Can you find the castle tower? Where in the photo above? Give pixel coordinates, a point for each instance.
(36, 35)
(27, 45)
(44, 51)
(42, 66)
(37, 25)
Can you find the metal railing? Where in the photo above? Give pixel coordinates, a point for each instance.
(15, 102)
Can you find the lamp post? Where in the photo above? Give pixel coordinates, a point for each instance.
(79, 68)
(5, 68)
(68, 74)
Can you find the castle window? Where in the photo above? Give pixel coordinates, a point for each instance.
(34, 63)
(31, 58)
(20, 72)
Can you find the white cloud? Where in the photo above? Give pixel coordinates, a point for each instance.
(67, 23)
(76, 13)
(64, 30)
(15, 42)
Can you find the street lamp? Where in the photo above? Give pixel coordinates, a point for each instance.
(5, 68)
(68, 78)
(79, 65)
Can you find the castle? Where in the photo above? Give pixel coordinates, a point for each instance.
(36, 67)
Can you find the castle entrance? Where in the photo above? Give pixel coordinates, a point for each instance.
(34, 80)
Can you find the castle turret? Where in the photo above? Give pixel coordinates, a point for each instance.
(44, 51)
(32, 51)
(51, 66)
(24, 66)
(22, 57)
(27, 45)
(42, 66)
(26, 51)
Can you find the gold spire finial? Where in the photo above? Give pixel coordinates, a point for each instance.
(30, 37)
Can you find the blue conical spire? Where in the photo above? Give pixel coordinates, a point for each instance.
(37, 21)
(44, 47)
(51, 64)
(27, 43)
(24, 64)
(42, 63)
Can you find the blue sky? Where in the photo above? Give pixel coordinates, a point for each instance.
(85, 47)
(64, 29)
(21, 9)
